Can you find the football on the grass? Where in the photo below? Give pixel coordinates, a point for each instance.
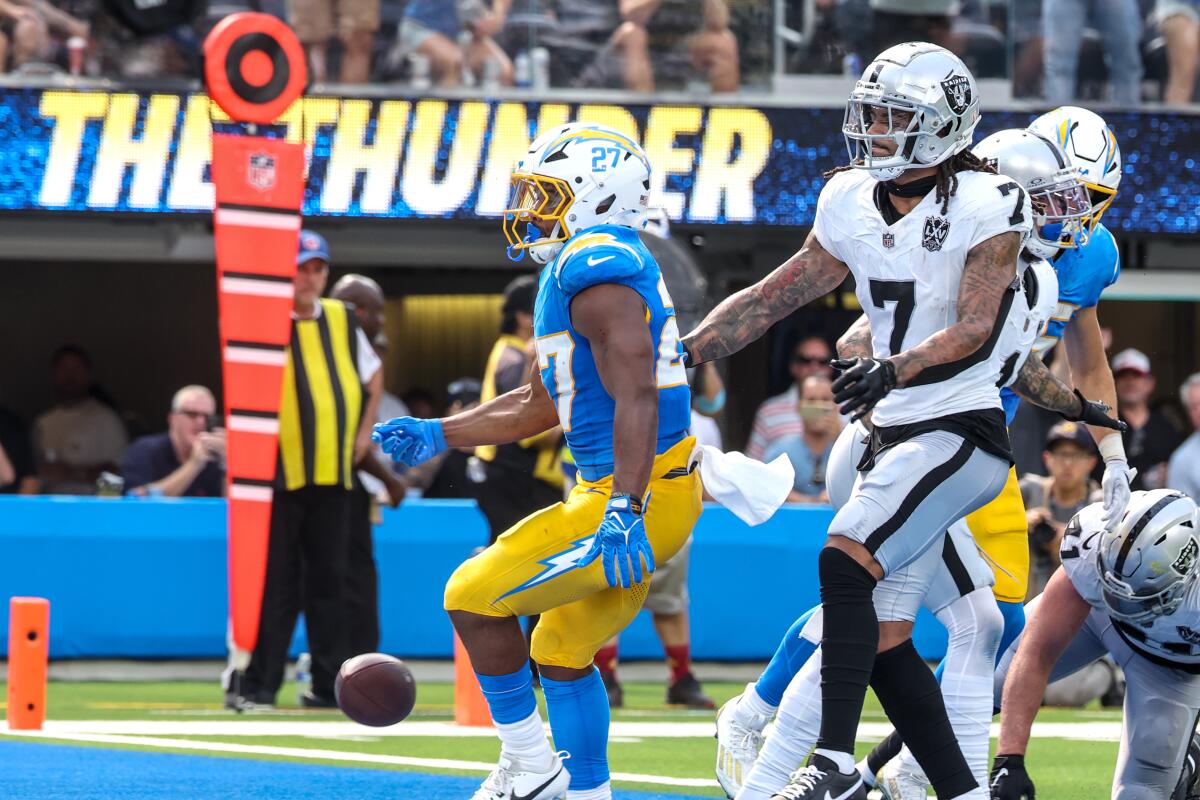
(375, 689)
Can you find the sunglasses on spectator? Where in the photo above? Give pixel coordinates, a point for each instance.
(822, 360)
(192, 414)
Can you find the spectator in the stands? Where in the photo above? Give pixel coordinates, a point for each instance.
(1120, 26)
(1151, 437)
(1178, 21)
(80, 436)
(458, 36)
(446, 475)
(26, 30)
(897, 21)
(353, 21)
(1051, 501)
(1183, 470)
(809, 450)
(420, 402)
(660, 44)
(188, 460)
(779, 416)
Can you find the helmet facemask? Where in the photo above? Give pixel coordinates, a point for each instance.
(538, 205)
(1125, 604)
(901, 126)
(1060, 211)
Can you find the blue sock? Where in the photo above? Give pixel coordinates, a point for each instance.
(579, 721)
(1014, 623)
(509, 697)
(789, 657)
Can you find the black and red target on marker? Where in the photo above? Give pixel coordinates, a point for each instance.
(254, 67)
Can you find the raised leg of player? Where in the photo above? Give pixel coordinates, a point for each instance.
(796, 728)
(915, 491)
(741, 721)
(974, 624)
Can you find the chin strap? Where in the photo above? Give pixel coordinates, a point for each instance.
(531, 236)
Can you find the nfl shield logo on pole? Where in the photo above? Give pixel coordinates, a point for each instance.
(261, 173)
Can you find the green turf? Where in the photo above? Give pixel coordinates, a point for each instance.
(1063, 769)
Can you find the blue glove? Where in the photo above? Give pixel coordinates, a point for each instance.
(621, 542)
(410, 441)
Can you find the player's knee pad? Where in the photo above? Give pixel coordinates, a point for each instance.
(842, 578)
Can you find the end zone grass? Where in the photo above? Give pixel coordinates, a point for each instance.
(1064, 769)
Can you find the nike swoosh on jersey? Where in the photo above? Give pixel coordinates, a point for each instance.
(539, 789)
(593, 261)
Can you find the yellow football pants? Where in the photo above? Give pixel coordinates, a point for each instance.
(1000, 529)
(530, 568)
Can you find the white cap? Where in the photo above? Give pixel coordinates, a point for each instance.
(1131, 360)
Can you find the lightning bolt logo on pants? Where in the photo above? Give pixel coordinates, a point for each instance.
(555, 565)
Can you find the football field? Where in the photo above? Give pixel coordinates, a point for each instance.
(173, 740)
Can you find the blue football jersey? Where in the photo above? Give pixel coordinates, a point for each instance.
(1083, 275)
(605, 254)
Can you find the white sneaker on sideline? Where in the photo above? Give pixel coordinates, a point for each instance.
(512, 780)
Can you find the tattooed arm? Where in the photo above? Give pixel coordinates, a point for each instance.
(1037, 384)
(856, 341)
(743, 317)
(989, 271)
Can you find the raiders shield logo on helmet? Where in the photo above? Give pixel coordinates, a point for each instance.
(1187, 557)
(958, 92)
(936, 229)
(1188, 635)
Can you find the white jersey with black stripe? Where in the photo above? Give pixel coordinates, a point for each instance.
(1173, 637)
(907, 276)
(1028, 318)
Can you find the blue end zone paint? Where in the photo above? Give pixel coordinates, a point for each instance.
(35, 771)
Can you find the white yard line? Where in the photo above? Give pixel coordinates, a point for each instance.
(1101, 731)
(311, 754)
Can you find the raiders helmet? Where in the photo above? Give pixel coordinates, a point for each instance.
(1150, 559)
(918, 95)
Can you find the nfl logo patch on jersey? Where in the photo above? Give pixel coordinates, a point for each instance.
(889, 240)
(936, 229)
(261, 172)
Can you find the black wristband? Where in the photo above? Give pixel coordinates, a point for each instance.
(635, 503)
(1015, 759)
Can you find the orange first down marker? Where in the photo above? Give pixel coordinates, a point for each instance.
(28, 653)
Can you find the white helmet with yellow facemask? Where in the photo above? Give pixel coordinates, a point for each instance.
(1089, 145)
(574, 177)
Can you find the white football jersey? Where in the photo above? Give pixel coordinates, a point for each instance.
(907, 276)
(1028, 318)
(1174, 637)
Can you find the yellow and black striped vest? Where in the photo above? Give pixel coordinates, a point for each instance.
(525, 455)
(322, 400)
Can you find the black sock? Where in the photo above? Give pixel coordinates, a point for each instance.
(910, 695)
(884, 752)
(849, 637)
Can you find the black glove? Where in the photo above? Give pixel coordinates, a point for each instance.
(1095, 413)
(863, 382)
(1009, 779)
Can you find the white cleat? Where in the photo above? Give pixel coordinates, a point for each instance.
(897, 782)
(512, 780)
(737, 748)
